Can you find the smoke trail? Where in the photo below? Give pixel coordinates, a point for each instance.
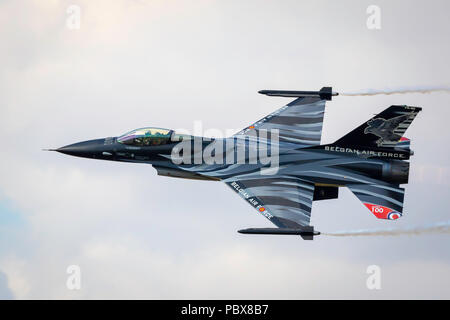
(436, 228)
(372, 92)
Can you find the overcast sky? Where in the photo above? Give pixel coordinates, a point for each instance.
(167, 64)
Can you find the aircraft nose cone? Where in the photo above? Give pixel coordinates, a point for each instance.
(86, 149)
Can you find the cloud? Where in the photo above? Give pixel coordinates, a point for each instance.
(5, 291)
(114, 269)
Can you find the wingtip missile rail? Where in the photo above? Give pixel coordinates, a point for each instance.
(326, 93)
(306, 232)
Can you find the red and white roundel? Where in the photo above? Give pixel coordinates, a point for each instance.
(394, 215)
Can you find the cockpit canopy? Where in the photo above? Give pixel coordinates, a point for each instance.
(146, 137)
(150, 137)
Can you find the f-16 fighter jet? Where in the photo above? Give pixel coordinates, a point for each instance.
(277, 164)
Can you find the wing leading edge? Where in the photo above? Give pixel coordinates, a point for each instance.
(298, 122)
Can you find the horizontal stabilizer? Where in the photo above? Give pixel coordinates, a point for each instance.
(384, 201)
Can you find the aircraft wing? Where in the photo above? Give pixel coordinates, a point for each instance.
(285, 200)
(298, 122)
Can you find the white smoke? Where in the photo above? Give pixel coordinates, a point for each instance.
(436, 228)
(389, 91)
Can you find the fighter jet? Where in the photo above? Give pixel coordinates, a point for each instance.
(277, 164)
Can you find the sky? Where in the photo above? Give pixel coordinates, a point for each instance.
(172, 64)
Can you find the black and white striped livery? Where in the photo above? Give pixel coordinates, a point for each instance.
(370, 160)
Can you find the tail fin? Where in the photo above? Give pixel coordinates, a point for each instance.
(384, 201)
(382, 131)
